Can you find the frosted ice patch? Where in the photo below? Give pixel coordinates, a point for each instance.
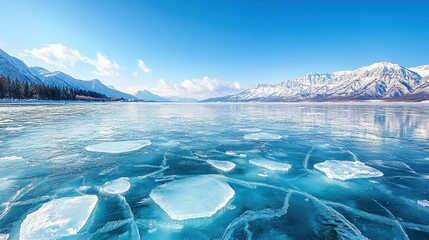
(262, 136)
(58, 218)
(234, 154)
(225, 166)
(14, 129)
(424, 203)
(193, 197)
(271, 165)
(11, 158)
(249, 130)
(345, 170)
(118, 186)
(118, 147)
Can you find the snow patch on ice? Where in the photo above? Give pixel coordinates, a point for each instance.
(345, 170)
(270, 165)
(424, 203)
(118, 147)
(225, 166)
(262, 136)
(58, 218)
(118, 186)
(193, 197)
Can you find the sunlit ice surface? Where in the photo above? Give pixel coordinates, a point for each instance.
(44, 161)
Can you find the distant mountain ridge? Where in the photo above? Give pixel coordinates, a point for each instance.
(150, 97)
(13, 68)
(379, 81)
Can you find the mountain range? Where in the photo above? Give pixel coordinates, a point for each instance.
(379, 81)
(151, 97)
(13, 68)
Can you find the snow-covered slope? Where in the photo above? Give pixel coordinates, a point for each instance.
(16, 69)
(148, 96)
(383, 80)
(422, 70)
(63, 80)
(13, 68)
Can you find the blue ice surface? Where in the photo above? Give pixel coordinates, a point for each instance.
(43, 158)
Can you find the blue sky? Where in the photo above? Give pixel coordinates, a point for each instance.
(208, 48)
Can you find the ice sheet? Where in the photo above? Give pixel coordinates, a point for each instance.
(262, 136)
(345, 170)
(118, 186)
(193, 197)
(58, 218)
(424, 203)
(118, 147)
(225, 166)
(271, 165)
(250, 130)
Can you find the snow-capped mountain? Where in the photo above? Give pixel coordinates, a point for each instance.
(422, 70)
(148, 96)
(61, 79)
(16, 69)
(383, 80)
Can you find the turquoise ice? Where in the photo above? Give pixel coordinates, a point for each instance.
(44, 159)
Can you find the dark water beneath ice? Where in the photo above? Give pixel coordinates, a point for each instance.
(43, 157)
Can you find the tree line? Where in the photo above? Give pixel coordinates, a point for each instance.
(24, 90)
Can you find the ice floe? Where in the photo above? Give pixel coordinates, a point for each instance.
(193, 197)
(249, 130)
(234, 154)
(58, 218)
(262, 136)
(4, 236)
(118, 186)
(424, 203)
(225, 166)
(270, 165)
(345, 170)
(118, 147)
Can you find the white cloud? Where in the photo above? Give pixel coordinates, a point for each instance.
(196, 88)
(135, 74)
(143, 66)
(104, 67)
(62, 56)
(56, 54)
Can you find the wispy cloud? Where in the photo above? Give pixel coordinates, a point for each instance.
(62, 56)
(196, 88)
(142, 66)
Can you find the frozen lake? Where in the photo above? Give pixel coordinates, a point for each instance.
(214, 171)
